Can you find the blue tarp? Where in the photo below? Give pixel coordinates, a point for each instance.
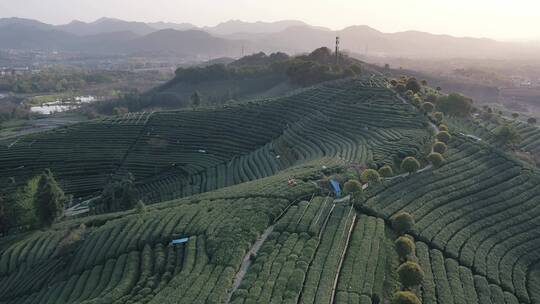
(335, 185)
(179, 241)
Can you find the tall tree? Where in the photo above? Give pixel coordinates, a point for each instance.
(119, 194)
(4, 223)
(50, 199)
(195, 99)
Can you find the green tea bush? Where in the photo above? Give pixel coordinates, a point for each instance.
(403, 222)
(444, 136)
(404, 247)
(370, 176)
(386, 171)
(436, 159)
(410, 164)
(405, 297)
(410, 274)
(440, 147)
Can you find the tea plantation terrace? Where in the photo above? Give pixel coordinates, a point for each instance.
(180, 153)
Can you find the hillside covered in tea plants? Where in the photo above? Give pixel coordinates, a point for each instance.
(362, 190)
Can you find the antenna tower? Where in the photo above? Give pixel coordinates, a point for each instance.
(337, 50)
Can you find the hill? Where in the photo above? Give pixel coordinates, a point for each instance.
(226, 80)
(249, 188)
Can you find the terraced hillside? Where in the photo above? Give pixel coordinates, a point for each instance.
(530, 134)
(255, 238)
(125, 257)
(175, 154)
(480, 210)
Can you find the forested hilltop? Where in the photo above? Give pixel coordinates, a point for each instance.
(353, 187)
(250, 77)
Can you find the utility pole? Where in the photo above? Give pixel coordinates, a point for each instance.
(337, 50)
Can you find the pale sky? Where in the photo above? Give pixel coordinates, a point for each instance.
(500, 19)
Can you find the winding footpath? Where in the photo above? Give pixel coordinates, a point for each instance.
(247, 261)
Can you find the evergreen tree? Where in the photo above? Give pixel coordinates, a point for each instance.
(49, 200)
(195, 99)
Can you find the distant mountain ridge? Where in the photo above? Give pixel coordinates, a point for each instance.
(105, 25)
(231, 38)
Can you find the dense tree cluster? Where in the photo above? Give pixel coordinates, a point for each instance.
(39, 201)
(119, 194)
(506, 135)
(215, 72)
(455, 104)
(56, 80)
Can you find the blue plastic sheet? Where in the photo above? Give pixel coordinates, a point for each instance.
(337, 188)
(179, 241)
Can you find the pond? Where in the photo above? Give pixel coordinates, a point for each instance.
(62, 105)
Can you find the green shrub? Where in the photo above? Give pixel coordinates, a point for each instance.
(352, 187)
(350, 174)
(444, 136)
(410, 274)
(404, 247)
(440, 147)
(410, 165)
(439, 116)
(386, 171)
(428, 107)
(402, 222)
(405, 297)
(436, 159)
(295, 281)
(70, 242)
(370, 176)
(140, 207)
(413, 85)
(416, 101)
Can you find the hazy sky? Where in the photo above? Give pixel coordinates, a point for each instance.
(502, 19)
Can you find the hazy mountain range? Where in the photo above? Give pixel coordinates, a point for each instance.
(114, 36)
